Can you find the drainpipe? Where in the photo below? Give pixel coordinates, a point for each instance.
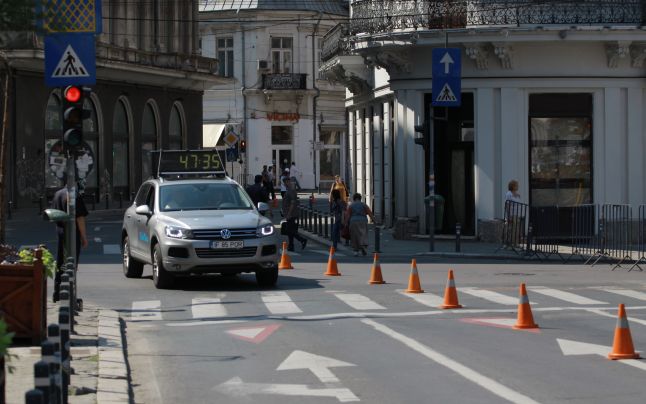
(316, 96)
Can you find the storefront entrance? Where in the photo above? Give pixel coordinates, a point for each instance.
(280, 160)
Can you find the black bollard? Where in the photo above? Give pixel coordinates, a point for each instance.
(377, 239)
(107, 197)
(34, 397)
(54, 335)
(64, 322)
(65, 306)
(458, 235)
(327, 226)
(47, 351)
(42, 380)
(9, 210)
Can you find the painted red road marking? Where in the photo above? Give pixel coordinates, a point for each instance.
(499, 322)
(255, 334)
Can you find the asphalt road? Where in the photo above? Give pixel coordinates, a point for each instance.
(337, 339)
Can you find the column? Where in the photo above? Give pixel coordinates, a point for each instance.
(635, 148)
(614, 140)
(485, 155)
(377, 162)
(388, 164)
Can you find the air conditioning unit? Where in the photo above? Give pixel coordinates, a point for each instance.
(263, 66)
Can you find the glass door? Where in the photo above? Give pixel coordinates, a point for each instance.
(281, 159)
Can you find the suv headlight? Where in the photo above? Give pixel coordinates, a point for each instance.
(178, 232)
(266, 230)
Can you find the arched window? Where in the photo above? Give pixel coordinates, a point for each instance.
(175, 128)
(91, 136)
(148, 139)
(53, 132)
(120, 136)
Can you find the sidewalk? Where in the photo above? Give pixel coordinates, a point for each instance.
(99, 366)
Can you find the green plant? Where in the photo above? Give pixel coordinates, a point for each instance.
(5, 338)
(49, 262)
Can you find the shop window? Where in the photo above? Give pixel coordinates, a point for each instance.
(120, 136)
(560, 149)
(281, 135)
(175, 132)
(148, 140)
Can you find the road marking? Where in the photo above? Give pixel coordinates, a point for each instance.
(237, 388)
(359, 302)
(566, 296)
(468, 373)
(255, 334)
(626, 292)
(147, 310)
(317, 364)
(569, 348)
(427, 299)
(601, 312)
(208, 307)
(323, 252)
(111, 249)
(279, 303)
(491, 296)
(207, 322)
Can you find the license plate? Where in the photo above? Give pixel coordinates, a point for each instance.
(227, 244)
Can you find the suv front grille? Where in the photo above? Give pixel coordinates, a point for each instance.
(237, 253)
(214, 234)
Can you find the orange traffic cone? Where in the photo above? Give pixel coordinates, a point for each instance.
(450, 294)
(622, 347)
(413, 279)
(332, 269)
(525, 319)
(285, 261)
(375, 272)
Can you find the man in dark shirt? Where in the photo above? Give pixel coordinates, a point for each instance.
(290, 211)
(257, 191)
(60, 202)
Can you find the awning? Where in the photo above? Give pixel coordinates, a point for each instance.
(211, 134)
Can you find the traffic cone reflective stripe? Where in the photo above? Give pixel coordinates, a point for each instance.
(525, 318)
(622, 346)
(450, 294)
(332, 269)
(285, 260)
(375, 272)
(413, 279)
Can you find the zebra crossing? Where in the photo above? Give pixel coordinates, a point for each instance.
(219, 306)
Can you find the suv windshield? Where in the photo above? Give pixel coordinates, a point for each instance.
(202, 196)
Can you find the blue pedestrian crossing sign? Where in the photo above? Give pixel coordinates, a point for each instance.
(447, 75)
(70, 59)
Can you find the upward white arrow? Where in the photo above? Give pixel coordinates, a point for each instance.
(569, 347)
(315, 363)
(447, 61)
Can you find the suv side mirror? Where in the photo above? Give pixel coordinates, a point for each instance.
(263, 207)
(143, 210)
(55, 215)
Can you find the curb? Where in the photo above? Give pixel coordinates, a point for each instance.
(113, 385)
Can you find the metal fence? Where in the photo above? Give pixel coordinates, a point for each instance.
(514, 231)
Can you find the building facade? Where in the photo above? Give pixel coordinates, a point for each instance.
(148, 95)
(553, 95)
(276, 101)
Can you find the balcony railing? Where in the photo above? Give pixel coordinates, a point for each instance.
(284, 81)
(334, 42)
(376, 16)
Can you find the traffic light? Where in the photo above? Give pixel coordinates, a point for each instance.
(73, 115)
(422, 134)
(243, 146)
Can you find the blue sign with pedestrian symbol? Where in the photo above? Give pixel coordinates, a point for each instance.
(70, 59)
(447, 75)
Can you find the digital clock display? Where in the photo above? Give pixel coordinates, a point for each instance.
(188, 161)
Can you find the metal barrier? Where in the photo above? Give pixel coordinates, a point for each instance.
(641, 239)
(514, 234)
(614, 235)
(585, 239)
(545, 231)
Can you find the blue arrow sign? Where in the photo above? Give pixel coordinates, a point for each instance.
(447, 74)
(70, 59)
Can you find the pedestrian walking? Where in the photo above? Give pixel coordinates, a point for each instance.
(340, 186)
(356, 216)
(60, 201)
(283, 188)
(337, 210)
(290, 211)
(294, 175)
(257, 191)
(271, 177)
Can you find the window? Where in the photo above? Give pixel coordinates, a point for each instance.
(281, 55)
(281, 134)
(120, 137)
(560, 127)
(319, 60)
(148, 140)
(91, 137)
(53, 130)
(175, 129)
(225, 56)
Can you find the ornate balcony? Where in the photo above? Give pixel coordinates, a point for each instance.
(378, 16)
(284, 81)
(335, 43)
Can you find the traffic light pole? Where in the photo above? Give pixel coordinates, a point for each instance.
(70, 238)
(431, 186)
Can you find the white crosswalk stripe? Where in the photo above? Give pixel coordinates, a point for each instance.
(491, 296)
(427, 299)
(279, 303)
(323, 252)
(207, 307)
(626, 292)
(146, 310)
(562, 295)
(359, 302)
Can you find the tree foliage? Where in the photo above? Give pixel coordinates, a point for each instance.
(17, 15)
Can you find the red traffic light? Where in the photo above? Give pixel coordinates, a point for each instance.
(72, 94)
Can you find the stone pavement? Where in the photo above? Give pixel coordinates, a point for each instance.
(98, 362)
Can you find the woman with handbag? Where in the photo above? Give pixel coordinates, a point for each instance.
(357, 214)
(337, 209)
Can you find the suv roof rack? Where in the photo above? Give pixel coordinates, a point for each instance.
(183, 164)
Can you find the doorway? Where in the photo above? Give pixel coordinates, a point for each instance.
(453, 153)
(281, 158)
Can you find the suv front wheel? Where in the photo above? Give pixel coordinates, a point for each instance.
(131, 267)
(267, 277)
(161, 278)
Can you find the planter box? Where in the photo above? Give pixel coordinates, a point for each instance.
(23, 290)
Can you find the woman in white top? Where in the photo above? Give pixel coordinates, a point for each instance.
(512, 192)
(283, 187)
